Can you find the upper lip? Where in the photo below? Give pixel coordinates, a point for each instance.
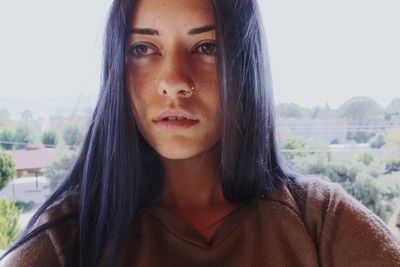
(175, 113)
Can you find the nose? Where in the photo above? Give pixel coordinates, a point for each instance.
(174, 80)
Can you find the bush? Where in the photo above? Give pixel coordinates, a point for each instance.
(360, 136)
(377, 141)
(392, 165)
(49, 139)
(7, 139)
(7, 169)
(365, 158)
(292, 145)
(72, 136)
(23, 136)
(376, 195)
(9, 215)
(57, 171)
(358, 180)
(24, 206)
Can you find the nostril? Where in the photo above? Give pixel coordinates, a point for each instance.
(176, 92)
(184, 92)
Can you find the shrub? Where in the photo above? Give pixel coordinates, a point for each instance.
(392, 165)
(23, 136)
(7, 139)
(365, 158)
(9, 215)
(72, 136)
(24, 206)
(7, 169)
(49, 138)
(358, 180)
(377, 141)
(57, 171)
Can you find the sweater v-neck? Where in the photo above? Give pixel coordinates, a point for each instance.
(185, 232)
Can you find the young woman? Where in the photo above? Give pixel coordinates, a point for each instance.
(180, 165)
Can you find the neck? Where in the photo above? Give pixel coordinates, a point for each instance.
(192, 183)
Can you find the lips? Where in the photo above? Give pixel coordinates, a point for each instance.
(175, 120)
(175, 115)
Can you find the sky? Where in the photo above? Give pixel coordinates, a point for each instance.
(320, 52)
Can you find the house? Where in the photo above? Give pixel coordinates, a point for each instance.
(35, 158)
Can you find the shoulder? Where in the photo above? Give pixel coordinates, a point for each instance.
(314, 198)
(53, 237)
(306, 194)
(342, 228)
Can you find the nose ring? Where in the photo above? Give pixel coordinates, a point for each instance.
(189, 93)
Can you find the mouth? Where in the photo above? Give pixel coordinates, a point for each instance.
(175, 115)
(175, 120)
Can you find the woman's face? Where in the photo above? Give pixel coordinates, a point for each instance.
(171, 51)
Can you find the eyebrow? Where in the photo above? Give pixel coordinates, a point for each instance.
(201, 30)
(149, 31)
(144, 31)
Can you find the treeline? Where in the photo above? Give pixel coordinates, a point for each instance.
(360, 110)
(369, 172)
(57, 131)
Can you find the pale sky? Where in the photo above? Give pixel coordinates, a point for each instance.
(320, 51)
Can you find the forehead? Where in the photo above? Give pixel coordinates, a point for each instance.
(172, 13)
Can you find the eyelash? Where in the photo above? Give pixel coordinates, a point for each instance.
(132, 50)
(201, 44)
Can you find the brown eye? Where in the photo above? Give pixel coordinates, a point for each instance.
(208, 48)
(140, 50)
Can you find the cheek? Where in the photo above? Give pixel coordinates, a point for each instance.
(138, 98)
(140, 89)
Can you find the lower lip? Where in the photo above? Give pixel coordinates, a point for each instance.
(175, 125)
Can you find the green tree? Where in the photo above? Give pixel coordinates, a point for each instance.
(7, 139)
(57, 171)
(357, 180)
(72, 136)
(292, 145)
(392, 165)
(23, 136)
(360, 136)
(376, 195)
(7, 169)
(365, 158)
(361, 110)
(324, 113)
(291, 110)
(377, 141)
(50, 138)
(9, 215)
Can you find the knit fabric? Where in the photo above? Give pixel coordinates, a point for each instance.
(315, 223)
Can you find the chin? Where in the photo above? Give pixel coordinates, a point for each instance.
(187, 151)
(175, 153)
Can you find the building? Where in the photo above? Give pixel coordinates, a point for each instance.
(34, 159)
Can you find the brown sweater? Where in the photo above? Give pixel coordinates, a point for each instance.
(322, 226)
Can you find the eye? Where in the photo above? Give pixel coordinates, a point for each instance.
(208, 47)
(141, 50)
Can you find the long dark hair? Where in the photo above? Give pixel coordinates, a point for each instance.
(117, 175)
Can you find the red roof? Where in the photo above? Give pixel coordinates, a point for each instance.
(35, 158)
